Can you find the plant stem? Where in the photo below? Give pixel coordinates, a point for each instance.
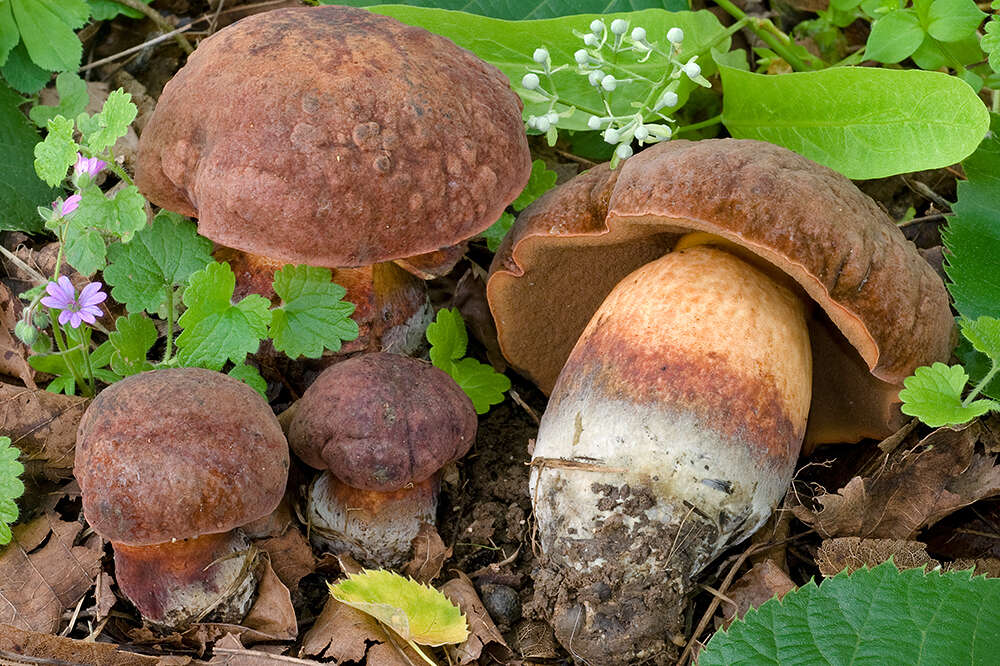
(170, 324)
(85, 348)
(117, 168)
(981, 385)
(714, 120)
(768, 33)
(61, 345)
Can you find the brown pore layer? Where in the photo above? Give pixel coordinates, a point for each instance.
(334, 137)
(382, 421)
(372, 503)
(570, 248)
(178, 453)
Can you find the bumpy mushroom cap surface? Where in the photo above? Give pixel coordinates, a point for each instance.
(382, 421)
(334, 137)
(176, 454)
(885, 311)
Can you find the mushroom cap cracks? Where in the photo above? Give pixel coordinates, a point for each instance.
(334, 137)
(178, 453)
(382, 421)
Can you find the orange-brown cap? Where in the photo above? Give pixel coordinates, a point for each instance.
(334, 137)
(381, 421)
(178, 453)
(882, 309)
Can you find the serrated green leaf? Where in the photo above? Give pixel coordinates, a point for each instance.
(484, 385)
(57, 153)
(448, 337)
(894, 37)
(541, 180)
(47, 26)
(864, 122)
(84, 248)
(64, 384)
(312, 316)
(73, 100)
(509, 45)
(934, 395)
(873, 616)
(11, 486)
(497, 231)
(952, 20)
(9, 34)
(160, 257)
(22, 74)
(101, 130)
(132, 339)
(216, 330)
(978, 365)
(518, 10)
(250, 376)
(105, 10)
(990, 42)
(984, 334)
(416, 612)
(21, 192)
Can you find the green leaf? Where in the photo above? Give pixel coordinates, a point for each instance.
(11, 486)
(132, 339)
(9, 34)
(121, 215)
(216, 330)
(541, 180)
(934, 395)
(952, 20)
(873, 616)
(312, 316)
(448, 337)
(861, 121)
(250, 376)
(509, 45)
(972, 237)
(64, 384)
(984, 334)
(990, 42)
(517, 10)
(47, 26)
(894, 37)
(978, 365)
(496, 232)
(84, 247)
(161, 256)
(933, 54)
(22, 74)
(21, 192)
(416, 612)
(105, 10)
(57, 153)
(73, 100)
(484, 385)
(101, 130)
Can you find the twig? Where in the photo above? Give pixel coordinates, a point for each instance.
(936, 217)
(925, 191)
(138, 47)
(162, 23)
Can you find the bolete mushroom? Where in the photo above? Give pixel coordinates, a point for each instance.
(381, 426)
(335, 137)
(680, 382)
(170, 464)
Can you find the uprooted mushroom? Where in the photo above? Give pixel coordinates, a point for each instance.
(335, 137)
(681, 380)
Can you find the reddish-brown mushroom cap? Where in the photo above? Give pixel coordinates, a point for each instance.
(334, 137)
(382, 421)
(176, 454)
(885, 310)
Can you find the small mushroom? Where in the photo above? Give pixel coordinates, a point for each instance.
(681, 381)
(335, 137)
(170, 464)
(382, 426)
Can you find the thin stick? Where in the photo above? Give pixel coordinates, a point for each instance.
(137, 47)
(157, 18)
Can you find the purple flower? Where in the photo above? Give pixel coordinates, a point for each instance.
(64, 208)
(62, 296)
(90, 166)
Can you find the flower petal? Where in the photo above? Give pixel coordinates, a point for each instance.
(54, 302)
(91, 311)
(91, 294)
(64, 316)
(67, 287)
(87, 316)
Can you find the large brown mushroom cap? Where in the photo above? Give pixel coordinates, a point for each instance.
(885, 311)
(334, 137)
(382, 421)
(178, 453)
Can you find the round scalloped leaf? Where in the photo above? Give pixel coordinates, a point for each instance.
(416, 612)
(873, 616)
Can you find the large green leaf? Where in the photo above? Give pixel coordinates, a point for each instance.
(862, 121)
(509, 45)
(21, 192)
(47, 30)
(516, 10)
(873, 616)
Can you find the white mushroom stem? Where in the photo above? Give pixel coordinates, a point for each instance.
(672, 432)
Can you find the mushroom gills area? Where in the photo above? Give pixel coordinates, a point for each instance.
(672, 432)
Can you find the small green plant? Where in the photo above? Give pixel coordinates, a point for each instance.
(419, 614)
(449, 339)
(879, 616)
(11, 487)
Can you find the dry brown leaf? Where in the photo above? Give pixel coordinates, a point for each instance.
(42, 573)
(982, 566)
(482, 631)
(48, 649)
(105, 596)
(272, 614)
(13, 352)
(227, 656)
(755, 587)
(853, 553)
(429, 555)
(914, 489)
(536, 640)
(291, 556)
(43, 426)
